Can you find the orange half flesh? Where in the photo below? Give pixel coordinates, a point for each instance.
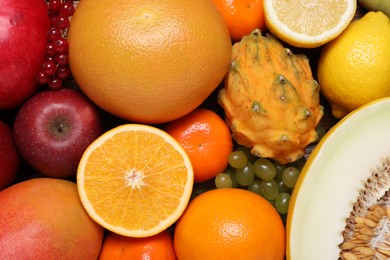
(135, 180)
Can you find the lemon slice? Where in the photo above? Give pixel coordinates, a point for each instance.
(308, 23)
(135, 180)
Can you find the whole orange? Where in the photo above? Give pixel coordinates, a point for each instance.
(242, 16)
(207, 140)
(148, 61)
(156, 247)
(229, 224)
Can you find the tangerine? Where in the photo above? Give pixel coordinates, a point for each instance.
(207, 140)
(148, 61)
(241, 16)
(229, 224)
(157, 247)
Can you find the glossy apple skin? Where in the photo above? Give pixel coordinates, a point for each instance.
(53, 128)
(23, 37)
(9, 157)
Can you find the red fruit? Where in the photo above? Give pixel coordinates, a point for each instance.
(23, 37)
(53, 128)
(43, 218)
(9, 157)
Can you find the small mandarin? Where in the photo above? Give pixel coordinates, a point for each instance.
(207, 140)
(241, 16)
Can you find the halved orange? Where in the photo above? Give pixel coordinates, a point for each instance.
(308, 23)
(135, 180)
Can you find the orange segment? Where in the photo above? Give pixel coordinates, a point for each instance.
(135, 180)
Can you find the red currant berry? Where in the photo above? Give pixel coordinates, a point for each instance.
(61, 45)
(55, 83)
(63, 72)
(54, 33)
(62, 59)
(67, 9)
(49, 67)
(42, 78)
(60, 21)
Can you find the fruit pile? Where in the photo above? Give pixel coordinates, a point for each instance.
(202, 129)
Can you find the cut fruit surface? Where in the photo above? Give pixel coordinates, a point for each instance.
(307, 23)
(345, 178)
(135, 180)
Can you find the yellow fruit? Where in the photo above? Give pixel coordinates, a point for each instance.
(148, 61)
(354, 68)
(229, 223)
(135, 180)
(308, 23)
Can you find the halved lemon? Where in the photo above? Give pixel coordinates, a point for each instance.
(135, 180)
(308, 23)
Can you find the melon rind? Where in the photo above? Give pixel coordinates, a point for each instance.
(330, 181)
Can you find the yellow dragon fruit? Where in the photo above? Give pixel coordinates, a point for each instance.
(270, 98)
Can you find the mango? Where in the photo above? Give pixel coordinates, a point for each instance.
(43, 218)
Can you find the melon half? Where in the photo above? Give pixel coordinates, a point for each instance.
(345, 178)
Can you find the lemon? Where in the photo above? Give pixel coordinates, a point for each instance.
(308, 23)
(354, 69)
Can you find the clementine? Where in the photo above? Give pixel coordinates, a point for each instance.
(157, 247)
(229, 224)
(242, 16)
(148, 61)
(207, 140)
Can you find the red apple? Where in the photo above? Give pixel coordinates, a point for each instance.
(53, 128)
(23, 37)
(9, 157)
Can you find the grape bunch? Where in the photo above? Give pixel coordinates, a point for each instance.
(56, 66)
(266, 177)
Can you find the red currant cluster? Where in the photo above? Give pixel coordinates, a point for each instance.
(56, 67)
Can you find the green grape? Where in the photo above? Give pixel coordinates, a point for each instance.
(281, 202)
(281, 186)
(279, 169)
(252, 158)
(237, 159)
(245, 175)
(232, 173)
(264, 169)
(255, 187)
(223, 180)
(269, 189)
(290, 176)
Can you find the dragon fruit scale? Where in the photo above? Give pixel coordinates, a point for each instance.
(270, 99)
